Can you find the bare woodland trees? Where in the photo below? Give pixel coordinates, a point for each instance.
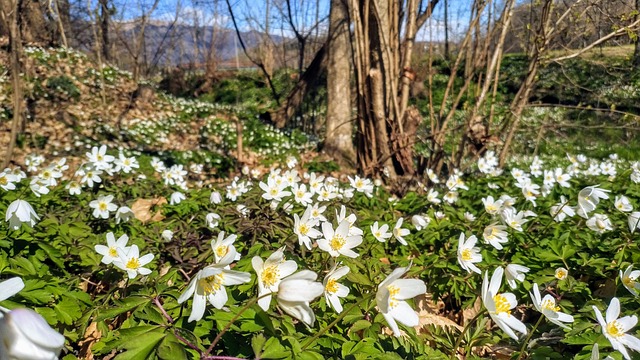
(366, 49)
(383, 44)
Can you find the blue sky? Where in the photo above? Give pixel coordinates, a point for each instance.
(255, 8)
(251, 14)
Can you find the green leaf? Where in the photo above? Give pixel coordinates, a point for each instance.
(67, 311)
(140, 347)
(359, 325)
(257, 343)
(171, 348)
(54, 255)
(123, 306)
(274, 350)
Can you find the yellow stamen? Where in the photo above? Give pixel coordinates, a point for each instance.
(614, 329)
(212, 283)
(550, 304)
(337, 242)
(332, 286)
(393, 292)
(466, 254)
(133, 263)
(502, 304)
(269, 276)
(222, 250)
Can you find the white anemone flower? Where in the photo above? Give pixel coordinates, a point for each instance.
(468, 253)
(124, 214)
(515, 272)
(391, 296)
(21, 212)
(362, 185)
(333, 290)
(588, 199)
(339, 242)
(381, 233)
(304, 228)
(634, 221)
(561, 273)
(213, 220)
(296, 291)
(209, 285)
(547, 306)
(176, 198)
(615, 329)
(496, 235)
(167, 235)
(399, 233)
(74, 187)
(622, 203)
(103, 206)
(420, 222)
(499, 304)
(599, 223)
(629, 279)
(110, 252)
(492, 206)
(131, 261)
(270, 273)
(562, 209)
(25, 335)
(215, 197)
(224, 252)
(99, 158)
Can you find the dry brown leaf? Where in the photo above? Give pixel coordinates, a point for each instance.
(91, 336)
(468, 314)
(385, 260)
(429, 314)
(142, 209)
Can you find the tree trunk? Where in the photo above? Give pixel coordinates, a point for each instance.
(32, 23)
(10, 16)
(386, 125)
(446, 29)
(636, 52)
(105, 16)
(339, 130)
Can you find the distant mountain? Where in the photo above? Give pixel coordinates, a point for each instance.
(179, 44)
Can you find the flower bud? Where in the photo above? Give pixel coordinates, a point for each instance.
(20, 212)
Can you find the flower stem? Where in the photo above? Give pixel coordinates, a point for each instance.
(228, 326)
(526, 341)
(156, 301)
(334, 322)
(464, 330)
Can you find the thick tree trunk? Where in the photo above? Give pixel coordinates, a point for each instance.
(32, 22)
(339, 130)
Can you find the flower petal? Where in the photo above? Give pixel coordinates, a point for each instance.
(409, 288)
(613, 311)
